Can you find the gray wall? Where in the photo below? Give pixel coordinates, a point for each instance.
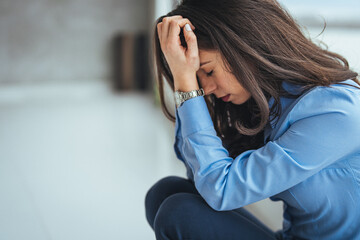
(64, 40)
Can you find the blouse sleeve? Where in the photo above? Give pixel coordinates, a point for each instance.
(178, 145)
(322, 127)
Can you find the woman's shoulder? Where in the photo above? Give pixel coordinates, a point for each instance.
(345, 88)
(336, 106)
(342, 98)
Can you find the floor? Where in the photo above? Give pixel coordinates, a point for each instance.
(76, 161)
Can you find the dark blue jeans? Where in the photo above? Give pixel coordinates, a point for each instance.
(175, 210)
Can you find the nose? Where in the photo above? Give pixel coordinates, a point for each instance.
(209, 86)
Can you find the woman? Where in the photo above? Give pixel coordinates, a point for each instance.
(279, 118)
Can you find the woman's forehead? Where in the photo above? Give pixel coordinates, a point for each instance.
(206, 55)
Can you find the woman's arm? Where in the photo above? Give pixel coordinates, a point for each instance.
(323, 127)
(178, 146)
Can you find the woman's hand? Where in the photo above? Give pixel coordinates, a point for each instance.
(183, 62)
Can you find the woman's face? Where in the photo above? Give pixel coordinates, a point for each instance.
(214, 79)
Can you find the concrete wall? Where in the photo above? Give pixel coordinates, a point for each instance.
(64, 40)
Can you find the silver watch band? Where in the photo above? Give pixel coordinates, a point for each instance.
(181, 97)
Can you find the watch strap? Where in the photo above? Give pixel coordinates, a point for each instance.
(181, 97)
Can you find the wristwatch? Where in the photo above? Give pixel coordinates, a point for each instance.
(181, 97)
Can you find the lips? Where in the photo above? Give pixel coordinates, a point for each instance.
(226, 98)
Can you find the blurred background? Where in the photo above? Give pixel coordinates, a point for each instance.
(82, 136)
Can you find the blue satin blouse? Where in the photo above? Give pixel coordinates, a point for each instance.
(310, 161)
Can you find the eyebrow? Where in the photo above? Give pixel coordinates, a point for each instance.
(204, 63)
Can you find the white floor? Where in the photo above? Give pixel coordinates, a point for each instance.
(76, 161)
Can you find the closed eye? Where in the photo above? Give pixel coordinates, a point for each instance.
(209, 73)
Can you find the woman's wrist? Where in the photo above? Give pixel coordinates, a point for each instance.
(186, 84)
(181, 97)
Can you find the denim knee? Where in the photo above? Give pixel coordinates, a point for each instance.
(162, 189)
(186, 215)
(177, 216)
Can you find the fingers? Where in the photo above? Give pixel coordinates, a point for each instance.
(174, 29)
(169, 28)
(191, 41)
(165, 25)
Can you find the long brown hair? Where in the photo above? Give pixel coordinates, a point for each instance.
(258, 33)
